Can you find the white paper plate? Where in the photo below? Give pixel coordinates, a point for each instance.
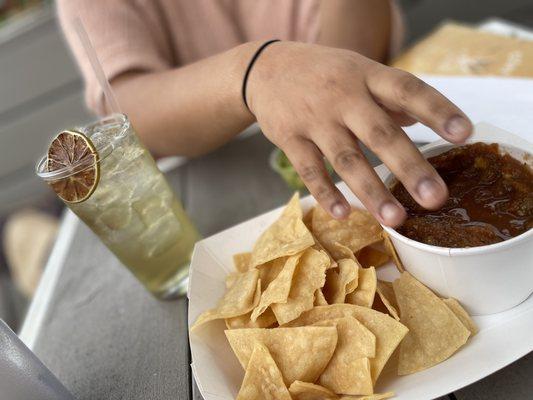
(502, 338)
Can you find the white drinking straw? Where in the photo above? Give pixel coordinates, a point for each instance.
(97, 67)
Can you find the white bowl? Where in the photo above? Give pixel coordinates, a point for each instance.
(486, 279)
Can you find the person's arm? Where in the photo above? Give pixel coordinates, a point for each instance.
(363, 26)
(312, 102)
(189, 110)
(358, 25)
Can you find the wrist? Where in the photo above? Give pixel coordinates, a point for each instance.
(229, 68)
(250, 67)
(258, 71)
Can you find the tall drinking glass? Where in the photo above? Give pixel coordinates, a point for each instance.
(133, 210)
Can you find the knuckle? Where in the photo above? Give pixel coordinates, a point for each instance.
(435, 108)
(287, 140)
(408, 86)
(368, 189)
(347, 159)
(414, 169)
(439, 110)
(331, 83)
(409, 169)
(324, 192)
(311, 173)
(334, 88)
(382, 136)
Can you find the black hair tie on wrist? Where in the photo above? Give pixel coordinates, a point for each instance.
(250, 66)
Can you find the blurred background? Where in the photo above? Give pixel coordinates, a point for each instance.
(41, 92)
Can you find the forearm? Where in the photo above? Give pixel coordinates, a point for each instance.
(189, 110)
(363, 26)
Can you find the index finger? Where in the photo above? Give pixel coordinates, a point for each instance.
(401, 91)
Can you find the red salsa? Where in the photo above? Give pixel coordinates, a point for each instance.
(491, 199)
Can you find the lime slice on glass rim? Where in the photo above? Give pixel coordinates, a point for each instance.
(71, 150)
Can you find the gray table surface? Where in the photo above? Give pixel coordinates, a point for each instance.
(107, 338)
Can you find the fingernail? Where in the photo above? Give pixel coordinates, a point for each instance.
(390, 213)
(428, 189)
(458, 126)
(339, 210)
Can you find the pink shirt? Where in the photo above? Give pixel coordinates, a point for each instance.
(154, 35)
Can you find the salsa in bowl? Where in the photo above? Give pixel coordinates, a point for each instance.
(479, 247)
(490, 199)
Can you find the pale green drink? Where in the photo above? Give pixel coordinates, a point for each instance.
(134, 211)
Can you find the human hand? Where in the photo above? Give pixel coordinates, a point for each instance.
(314, 102)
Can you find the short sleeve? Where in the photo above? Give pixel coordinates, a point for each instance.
(127, 36)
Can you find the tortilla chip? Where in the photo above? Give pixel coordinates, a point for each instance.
(348, 371)
(231, 278)
(379, 306)
(278, 290)
(366, 289)
(435, 333)
(370, 256)
(262, 379)
(461, 313)
(318, 246)
(308, 277)
(388, 291)
(269, 271)
(389, 332)
(377, 396)
(240, 299)
(308, 218)
(309, 391)
(359, 230)
(241, 261)
(320, 300)
(265, 320)
(285, 237)
(388, 298)
(351, 286)
(300, 353)
(354, 338)
(342, 251)
(391, 251)
(341, 281)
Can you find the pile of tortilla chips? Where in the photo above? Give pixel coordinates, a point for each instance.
(308, 319)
